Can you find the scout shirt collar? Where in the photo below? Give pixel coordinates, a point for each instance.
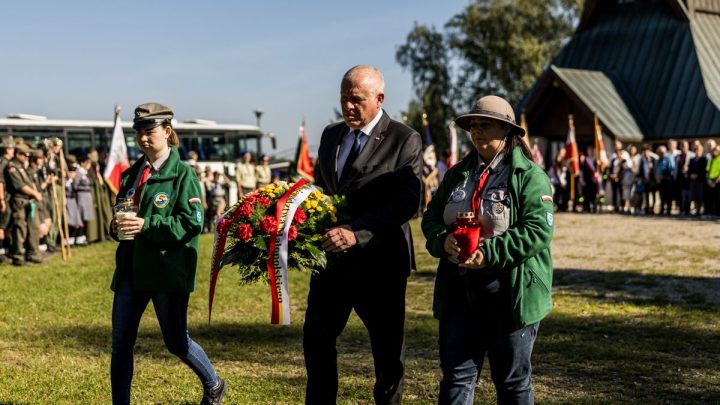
(160, 161)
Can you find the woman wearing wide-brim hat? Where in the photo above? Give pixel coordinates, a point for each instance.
(492, 302)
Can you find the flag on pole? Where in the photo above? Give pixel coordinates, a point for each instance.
(601, 156)
(118, 157)
(571, 149)
(303, 163)
(454, 150)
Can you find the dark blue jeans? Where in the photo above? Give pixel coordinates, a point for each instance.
(171, 311)
(466, 336)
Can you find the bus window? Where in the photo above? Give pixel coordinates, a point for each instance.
(33, 136)
(79, 142)
(241, 144)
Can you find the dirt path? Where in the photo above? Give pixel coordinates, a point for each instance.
(642, 258)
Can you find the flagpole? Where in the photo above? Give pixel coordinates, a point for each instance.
(571, 203)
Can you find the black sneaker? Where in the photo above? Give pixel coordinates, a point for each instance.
(18, 262)
(214, 396)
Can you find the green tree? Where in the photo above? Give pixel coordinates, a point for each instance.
(491, 47)
(503, 45)
(425, 55)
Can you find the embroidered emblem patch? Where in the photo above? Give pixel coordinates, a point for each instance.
(161, 200)
(549, 218)
(498, 207)
(458, 195)
(198, 217)
(546, 198)
(130, 193)
(194, 201)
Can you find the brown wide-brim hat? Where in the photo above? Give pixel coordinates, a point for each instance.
(491, 107)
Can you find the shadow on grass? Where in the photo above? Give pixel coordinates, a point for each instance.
(640, 289)
(637, 359)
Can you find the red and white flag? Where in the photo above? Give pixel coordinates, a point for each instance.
(601, 155)
(571, 149)
(118, 157)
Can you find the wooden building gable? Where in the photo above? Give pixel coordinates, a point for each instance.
(649, 69)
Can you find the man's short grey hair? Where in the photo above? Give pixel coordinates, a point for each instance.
(374, 75)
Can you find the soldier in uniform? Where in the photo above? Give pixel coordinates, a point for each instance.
(23, 202)
(41, 177)
(8, 152)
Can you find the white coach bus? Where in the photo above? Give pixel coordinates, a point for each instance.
(219, 146)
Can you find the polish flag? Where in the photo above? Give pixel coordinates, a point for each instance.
(118, 157)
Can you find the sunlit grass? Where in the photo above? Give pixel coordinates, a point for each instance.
(624, 329)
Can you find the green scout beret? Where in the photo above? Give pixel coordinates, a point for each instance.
(22, 148)
(150, 115)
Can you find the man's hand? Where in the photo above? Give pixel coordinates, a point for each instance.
(338, 239)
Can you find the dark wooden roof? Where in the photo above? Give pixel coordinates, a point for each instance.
(649, 69)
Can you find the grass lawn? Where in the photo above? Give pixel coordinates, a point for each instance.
(636, 318)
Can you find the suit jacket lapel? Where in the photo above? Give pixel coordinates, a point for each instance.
(331, 164)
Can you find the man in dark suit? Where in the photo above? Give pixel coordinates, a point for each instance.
(376, 163)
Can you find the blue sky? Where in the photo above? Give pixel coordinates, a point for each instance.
(217, 60)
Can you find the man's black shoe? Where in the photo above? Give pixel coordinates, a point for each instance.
(5, 260)
(214, 396)
(17, 262)
(34, 260)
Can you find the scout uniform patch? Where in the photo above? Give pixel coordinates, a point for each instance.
(549, 218)
(161, 200)
(498, 207)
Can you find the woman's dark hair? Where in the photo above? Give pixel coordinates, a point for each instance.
(514, 140)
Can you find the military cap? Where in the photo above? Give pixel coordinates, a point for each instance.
(7, 142)
(93, 156)
(71, 159)
(150, 115)
(37, 153)
(54, 141)
(22, 148)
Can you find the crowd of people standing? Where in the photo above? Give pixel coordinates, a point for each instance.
(674, 179)
(38, 188)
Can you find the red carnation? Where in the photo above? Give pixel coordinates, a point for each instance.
(244, 232)
(269, 225)
(245, 209)
(250, 198)
(264, 201)
(292, 233)
(300, 217)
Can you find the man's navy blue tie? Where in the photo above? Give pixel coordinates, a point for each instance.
(354, 152)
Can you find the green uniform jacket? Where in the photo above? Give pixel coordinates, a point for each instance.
(163, 256)
(523, 250)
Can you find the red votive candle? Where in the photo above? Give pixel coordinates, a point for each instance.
(467, 234)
